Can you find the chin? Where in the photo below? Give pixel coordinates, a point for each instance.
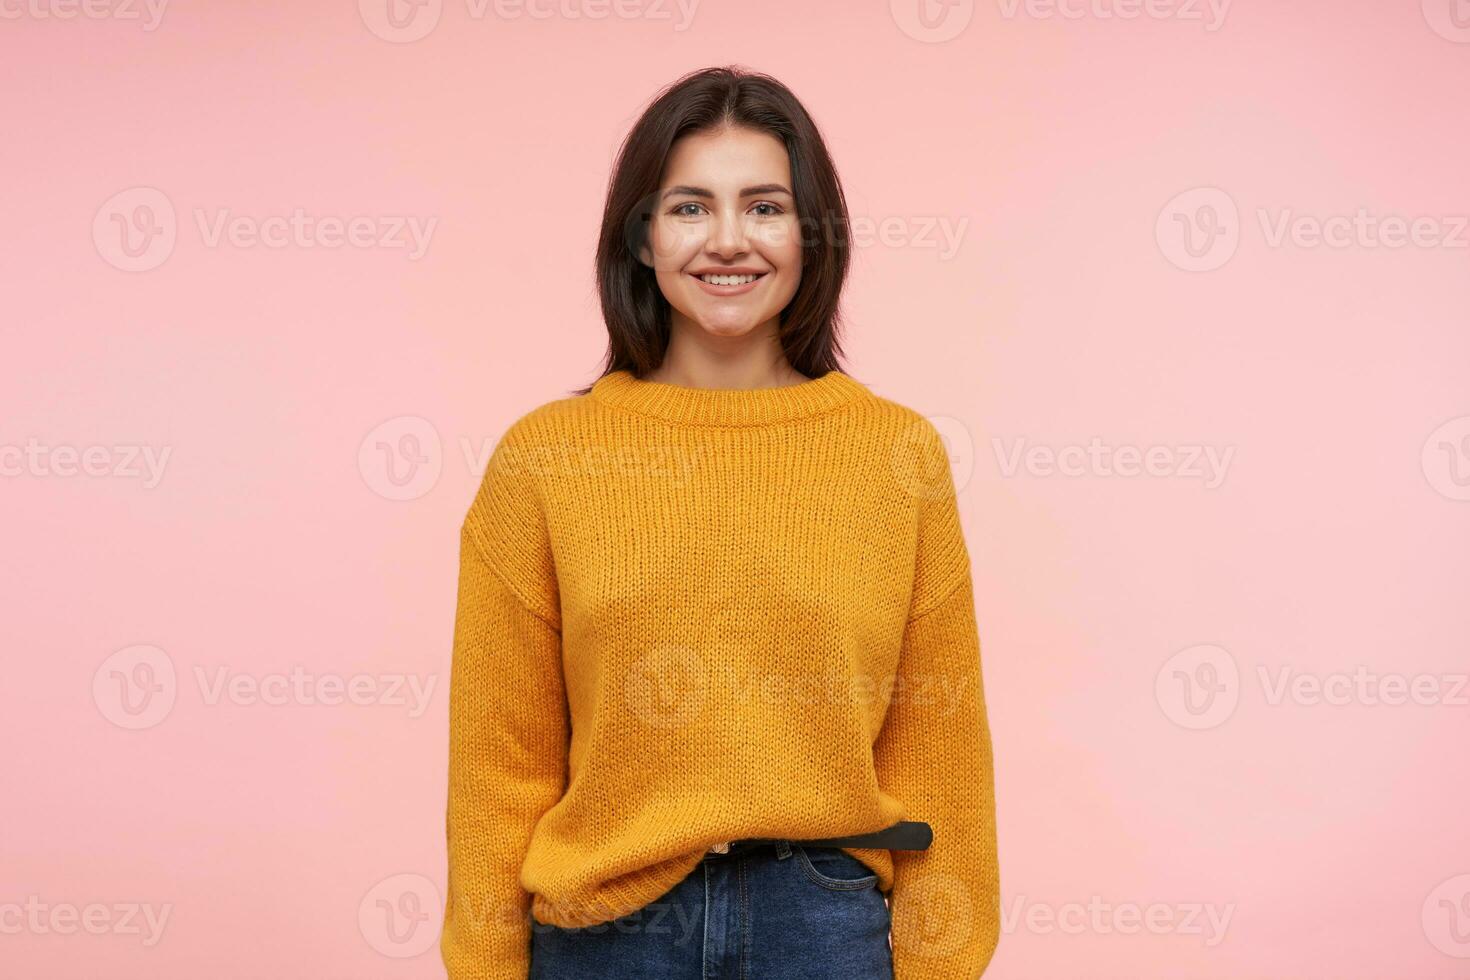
(723, 329)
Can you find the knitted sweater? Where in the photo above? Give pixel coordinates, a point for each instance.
(691, 615)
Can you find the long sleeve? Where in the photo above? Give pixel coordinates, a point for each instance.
(933, 754)
(508, 725)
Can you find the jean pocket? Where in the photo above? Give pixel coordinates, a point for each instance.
(833, 868)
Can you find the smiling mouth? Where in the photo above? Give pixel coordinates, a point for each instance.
(720, 280)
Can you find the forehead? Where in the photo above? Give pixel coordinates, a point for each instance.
(722, 159)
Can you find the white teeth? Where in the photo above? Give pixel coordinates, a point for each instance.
(728, 280)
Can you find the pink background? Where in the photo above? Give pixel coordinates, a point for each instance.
(305, 840)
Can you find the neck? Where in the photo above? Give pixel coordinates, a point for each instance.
(697, 358)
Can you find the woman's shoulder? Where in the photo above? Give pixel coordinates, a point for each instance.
(547, 422)
(900, 419)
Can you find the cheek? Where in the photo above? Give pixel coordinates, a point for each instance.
(673, 245)
(781, 244)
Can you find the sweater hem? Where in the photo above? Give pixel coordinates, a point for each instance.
(635, 891)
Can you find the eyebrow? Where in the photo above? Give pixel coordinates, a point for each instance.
(744, 192)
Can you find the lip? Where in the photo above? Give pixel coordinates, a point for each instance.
(730, 290)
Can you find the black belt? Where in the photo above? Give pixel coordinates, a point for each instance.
(906, 835)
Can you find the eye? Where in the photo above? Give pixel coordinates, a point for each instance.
(774, 209)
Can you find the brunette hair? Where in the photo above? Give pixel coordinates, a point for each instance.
(633, 307)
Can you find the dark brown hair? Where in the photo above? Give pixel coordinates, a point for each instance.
(633, 307)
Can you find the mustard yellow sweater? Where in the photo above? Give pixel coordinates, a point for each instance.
(691, 615)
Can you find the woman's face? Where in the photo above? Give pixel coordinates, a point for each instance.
(725, 207)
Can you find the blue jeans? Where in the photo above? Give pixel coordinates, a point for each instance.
(764, 911)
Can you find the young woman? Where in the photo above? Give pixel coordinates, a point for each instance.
(716, 706)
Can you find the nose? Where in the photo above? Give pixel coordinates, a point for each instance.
(727, 236)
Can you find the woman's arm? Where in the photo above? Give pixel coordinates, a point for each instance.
(934, 754)
(507, 724)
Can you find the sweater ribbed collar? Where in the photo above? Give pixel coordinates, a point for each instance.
(727, 406)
